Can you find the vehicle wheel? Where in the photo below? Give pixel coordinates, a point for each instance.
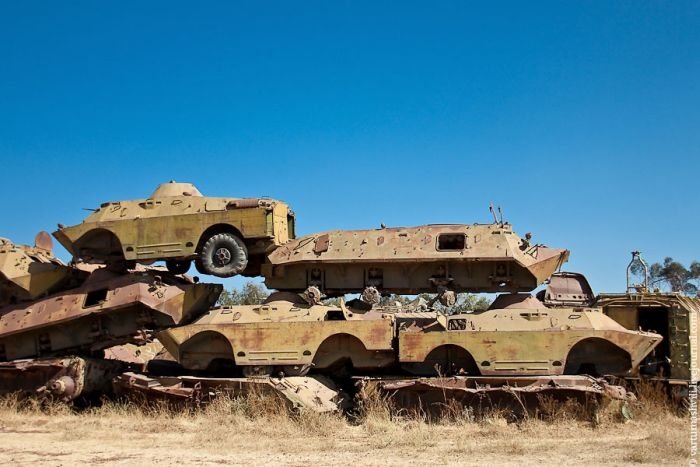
(199, 266)
(178, 267)
(223, 255)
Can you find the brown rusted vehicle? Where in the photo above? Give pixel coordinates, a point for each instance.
(56, 319)
(674, 363)
(443, 259)
(60, 378)
(224, 236)
(107, 309)
(29, 272)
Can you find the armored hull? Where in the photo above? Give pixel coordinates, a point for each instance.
(522, 338)
(285, 336)
(107, 309)
(413, 260)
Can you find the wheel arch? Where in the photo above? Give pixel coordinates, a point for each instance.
(105, 240)
(339, 347)
(599, 354)
(444, 359)
(203, 349)
(216, 229)
(456, 354)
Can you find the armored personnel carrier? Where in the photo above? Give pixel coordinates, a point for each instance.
(224, 236)
(285, 336)
(518, 336)
(412, 260)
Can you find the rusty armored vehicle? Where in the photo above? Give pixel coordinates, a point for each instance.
(30, 272)
(283, 336)
(107, 309)
(517, 336)
(56, 319)
(224, 236)
(443, 259)
(675, 316)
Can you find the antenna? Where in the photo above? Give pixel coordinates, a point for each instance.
(493, 213)
(500, 213)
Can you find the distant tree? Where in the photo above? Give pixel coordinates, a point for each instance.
(335, 301)
(253, 293)
(675, 276)
(250, 294)
(393, 299)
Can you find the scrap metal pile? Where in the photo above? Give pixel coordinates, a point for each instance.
(75, 330)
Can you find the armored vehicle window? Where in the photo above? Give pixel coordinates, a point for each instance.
(452, 242)
(95, 297)
(457, 324)
(290, 227)
(335, 315)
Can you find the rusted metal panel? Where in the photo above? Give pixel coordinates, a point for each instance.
(299, 393)
(567, 289)
(62, 379)
(519, 384)
(521, 394)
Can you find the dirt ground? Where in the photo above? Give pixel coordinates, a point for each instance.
(233, 434)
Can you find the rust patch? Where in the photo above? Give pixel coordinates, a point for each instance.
(321, 244)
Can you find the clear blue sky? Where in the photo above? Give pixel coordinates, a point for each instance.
(581, 119)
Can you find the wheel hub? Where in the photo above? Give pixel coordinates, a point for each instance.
(222, 256)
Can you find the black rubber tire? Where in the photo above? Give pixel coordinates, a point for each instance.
(178, 267)
(223, 255)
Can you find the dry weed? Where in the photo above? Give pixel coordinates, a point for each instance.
(262, 424)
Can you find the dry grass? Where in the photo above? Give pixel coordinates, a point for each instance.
(259, 430)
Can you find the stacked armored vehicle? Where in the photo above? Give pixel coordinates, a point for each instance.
(518, 336)
(111, 295)
(224, 236)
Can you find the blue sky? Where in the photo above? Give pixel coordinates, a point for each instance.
(581, 119)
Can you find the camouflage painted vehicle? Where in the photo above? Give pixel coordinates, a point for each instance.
(412, 260)
(517, 336)
(107, 309)
(27, 273)
(225, 236)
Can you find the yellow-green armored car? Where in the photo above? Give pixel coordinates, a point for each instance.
(224, 236)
